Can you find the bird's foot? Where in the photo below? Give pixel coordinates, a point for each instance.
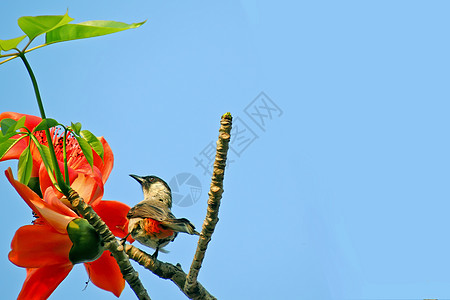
(155, 255)
(123, 240)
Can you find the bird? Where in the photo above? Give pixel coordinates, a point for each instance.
(151, 221)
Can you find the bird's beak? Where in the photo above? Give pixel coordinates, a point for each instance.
(138, 178)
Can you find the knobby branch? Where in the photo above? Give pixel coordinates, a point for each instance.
(110, 243)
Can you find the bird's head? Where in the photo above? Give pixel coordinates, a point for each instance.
(155, 189)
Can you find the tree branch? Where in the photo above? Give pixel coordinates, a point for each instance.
(215, 194)
(166, 271)
(110, 243)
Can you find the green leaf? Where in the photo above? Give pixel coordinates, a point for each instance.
(20, 123)
(76, 127)
(7, 145)
(25, 166)
(93, 142)
(35, 26)
(46, 123)
(9, 135)
(87, 150)
(9, 127)
(87, 29)
(44, 151)
(6, 45)
(7, 124)
(46, 157)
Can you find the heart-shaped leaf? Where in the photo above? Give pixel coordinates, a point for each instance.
(87, 29)
(35, 26)
(6, 45)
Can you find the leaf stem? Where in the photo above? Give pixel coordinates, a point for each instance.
(11, 58)
(9, 54)
(35, 85)
(47, 166)
(28, 44)
(15, 55)
(59, 178)
(37, 47)
(66, 168)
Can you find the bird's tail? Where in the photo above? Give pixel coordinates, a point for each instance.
(180, 225)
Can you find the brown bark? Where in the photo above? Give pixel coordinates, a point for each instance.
(215, 195)
(166, 271)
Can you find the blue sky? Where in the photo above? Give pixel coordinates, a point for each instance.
(341, 194)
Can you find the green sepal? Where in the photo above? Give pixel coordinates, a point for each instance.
(87, 244)
(33, 184)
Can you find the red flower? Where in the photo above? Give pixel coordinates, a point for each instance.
(79, 169)
(43, 248)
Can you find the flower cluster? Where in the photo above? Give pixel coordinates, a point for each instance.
(59, 238)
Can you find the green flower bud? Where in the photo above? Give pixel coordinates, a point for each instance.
(34, 185)
(87, 244)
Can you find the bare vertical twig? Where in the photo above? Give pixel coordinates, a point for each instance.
(215, 195)
(193, 289)
(110, 243)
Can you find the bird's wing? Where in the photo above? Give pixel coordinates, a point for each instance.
(148, 210)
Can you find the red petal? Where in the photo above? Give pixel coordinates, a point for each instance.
(14, 152)
(105, 273)
(30, 120)
(35, 246)
(57, 205)
(114, 214)
(44, 210)
(25, 192)
(85, 181)
(45, 182)
(89, 186)
(41, 282)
